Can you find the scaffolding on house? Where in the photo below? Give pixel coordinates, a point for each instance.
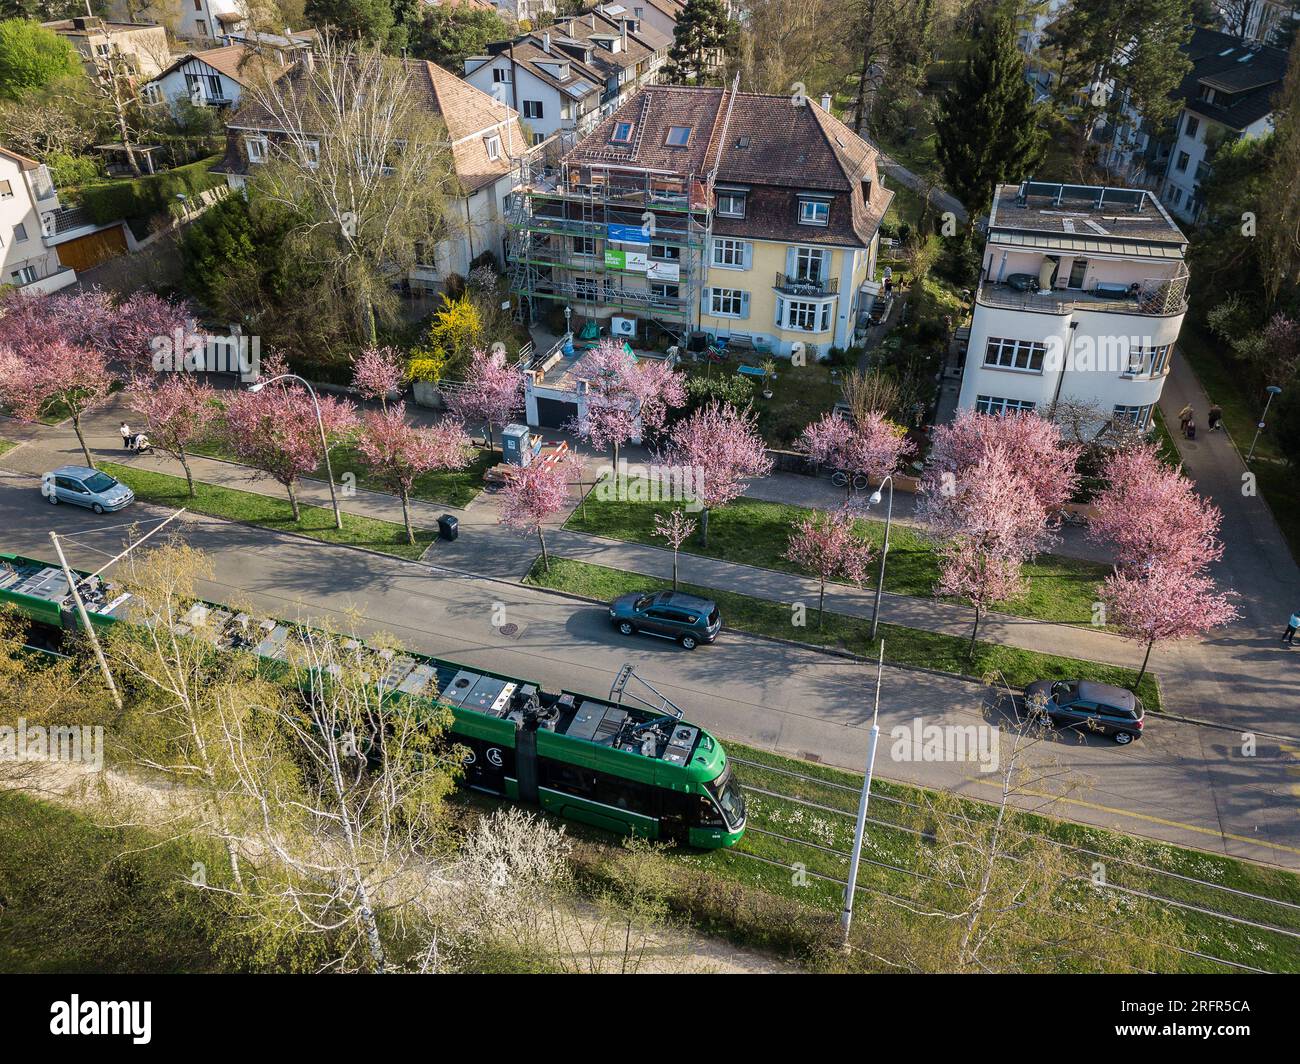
(608, 238)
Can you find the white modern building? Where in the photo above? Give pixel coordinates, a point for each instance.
(28, 202)
(1227, 95)
(1081, 297)
(571, 74)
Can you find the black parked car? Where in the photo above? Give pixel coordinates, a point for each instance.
(1087, 706)
(668, 614)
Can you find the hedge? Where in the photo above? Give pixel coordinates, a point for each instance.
(143, 197)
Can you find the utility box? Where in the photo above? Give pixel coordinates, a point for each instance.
(517, 447)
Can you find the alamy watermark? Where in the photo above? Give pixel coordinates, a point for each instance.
(654, 483)
(918, 741)
(81, 744)
(186, 352)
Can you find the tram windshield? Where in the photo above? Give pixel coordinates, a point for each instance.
(727, 793)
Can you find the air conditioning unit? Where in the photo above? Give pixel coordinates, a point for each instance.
(622, 327)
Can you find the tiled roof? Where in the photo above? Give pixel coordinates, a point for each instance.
(767, 145)
(236, 61)
(1246, 78)
(570, 36)
(468, 114)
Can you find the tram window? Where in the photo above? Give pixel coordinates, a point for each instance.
(624, 794)
(570, 780)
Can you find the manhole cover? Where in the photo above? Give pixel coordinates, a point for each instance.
(508, 629)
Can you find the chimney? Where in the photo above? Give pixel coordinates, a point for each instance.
(546, 43)
(593, 21)
(308, 60)
(625, 35)
(826, 102)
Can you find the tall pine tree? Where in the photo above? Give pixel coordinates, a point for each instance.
(987, 125)
(697, 41)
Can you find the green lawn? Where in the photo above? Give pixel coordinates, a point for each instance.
(6, 446)
(757, 533)
(800, 394)
(267, 511)
(903, 646)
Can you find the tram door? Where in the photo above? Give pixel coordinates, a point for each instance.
(487, 765)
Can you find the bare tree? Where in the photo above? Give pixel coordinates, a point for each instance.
(868, 390)
(363, 165)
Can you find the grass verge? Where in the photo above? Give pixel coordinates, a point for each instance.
(754, 532)
(266, 511)
(903, 646)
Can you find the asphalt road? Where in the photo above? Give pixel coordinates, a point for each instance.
(1181, 783)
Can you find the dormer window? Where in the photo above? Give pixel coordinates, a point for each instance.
(256, 147)
(678, 136)
(311, 154)
(622, 133)
(814, 211)
(493, 147)
(731, 204)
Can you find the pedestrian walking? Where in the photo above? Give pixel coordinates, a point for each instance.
(1184, 416)
(1292, 626)
(1189, 430)
(1214, 416)
(125, 430)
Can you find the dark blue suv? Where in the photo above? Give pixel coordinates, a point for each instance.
(668, 614)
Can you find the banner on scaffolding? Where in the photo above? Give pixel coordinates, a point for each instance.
(627, 234)
(618, 259)
(664, 271)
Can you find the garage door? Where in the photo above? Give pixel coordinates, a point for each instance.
(553, 413)
(89, 251)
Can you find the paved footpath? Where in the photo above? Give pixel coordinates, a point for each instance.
(1241, 676)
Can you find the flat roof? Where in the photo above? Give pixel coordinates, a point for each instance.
(1084, 217)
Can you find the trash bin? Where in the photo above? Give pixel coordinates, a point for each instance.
(448, 527)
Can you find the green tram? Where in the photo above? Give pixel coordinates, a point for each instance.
(625, 768)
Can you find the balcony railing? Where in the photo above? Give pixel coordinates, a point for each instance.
(1158, 296)
(806, 286)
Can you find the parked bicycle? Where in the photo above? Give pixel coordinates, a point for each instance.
(841, 478)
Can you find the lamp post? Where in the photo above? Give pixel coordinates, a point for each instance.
(884, 550)
(850, 888)
(1272, 390)
(320, 424)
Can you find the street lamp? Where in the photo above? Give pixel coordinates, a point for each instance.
(1272, 390)
(889, 514)
(860, 827)
(320, 423)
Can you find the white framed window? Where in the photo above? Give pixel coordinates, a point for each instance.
(256, 148)
(538, 138)
(1147, 361)
(311, 154)
(678, 136)
(20, 233)
(992, 404)
(809, 264)
(814, 212)
(726, 302)
(1137, 416)
(731, 204)
(493, 145)
(1193, 124)
(533, 109)
(661, 292)
(729, 254)
(805, 316)
(24, 275)
(151, 93)
(501, 75)
(666, 252)
(1024, 355)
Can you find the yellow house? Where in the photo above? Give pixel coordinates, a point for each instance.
(740, 214)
